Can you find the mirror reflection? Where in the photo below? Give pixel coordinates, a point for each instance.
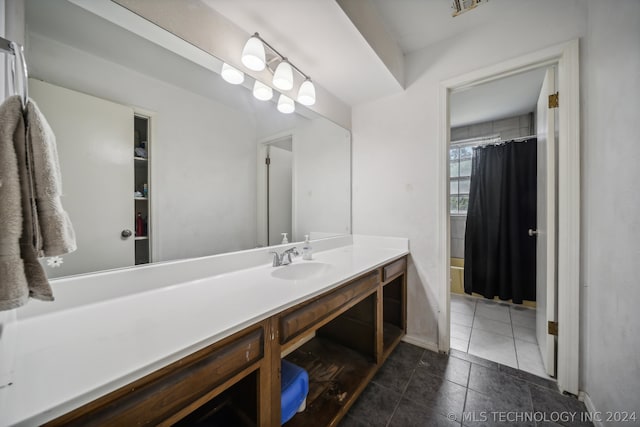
(162, 160)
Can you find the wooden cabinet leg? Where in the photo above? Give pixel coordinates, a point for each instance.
(379, 326)
(269, 379)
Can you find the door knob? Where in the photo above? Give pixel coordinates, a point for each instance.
(126, 234)
(532, 232)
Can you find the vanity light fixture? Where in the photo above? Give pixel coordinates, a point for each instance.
(261, 91)
(231, 75)
(255, 58)
(286, 104)
(283, 77)
(307, 93)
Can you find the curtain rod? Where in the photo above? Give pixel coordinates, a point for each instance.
(490, 140)
(516, 139)
(471, 141)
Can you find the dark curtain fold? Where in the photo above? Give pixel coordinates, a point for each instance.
(500, 256)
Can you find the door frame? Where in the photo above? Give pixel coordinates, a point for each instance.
(566, 57)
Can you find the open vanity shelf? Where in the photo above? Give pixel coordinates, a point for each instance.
(236, 406)
(341, 338)
(338, 368)
(394, 308)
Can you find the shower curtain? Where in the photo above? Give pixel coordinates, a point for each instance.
(500, 256)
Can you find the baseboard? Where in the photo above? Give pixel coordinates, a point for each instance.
(590, 407)
(420, 342)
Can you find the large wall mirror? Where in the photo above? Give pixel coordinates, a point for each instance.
(162, 160)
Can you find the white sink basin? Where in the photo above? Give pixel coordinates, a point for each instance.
(301, 271)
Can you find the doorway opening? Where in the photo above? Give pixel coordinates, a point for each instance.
(276, 159)
(493, 159)
(560, 234)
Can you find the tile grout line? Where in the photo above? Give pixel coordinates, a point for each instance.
(530, 397)
(515, 348)
(395, 409)
(473, 322)
(451, 323)
(466, 392)
(404, 389)
(475, 310)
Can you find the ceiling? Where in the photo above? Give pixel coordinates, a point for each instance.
(416, 24)
(320, 39)
(506, 97)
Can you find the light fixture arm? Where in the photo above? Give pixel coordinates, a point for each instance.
(282, 57)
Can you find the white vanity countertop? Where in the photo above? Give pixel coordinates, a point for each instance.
(68, 358)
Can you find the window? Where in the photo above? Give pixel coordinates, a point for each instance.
(460, 177)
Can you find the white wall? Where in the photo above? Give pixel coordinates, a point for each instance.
(203, 183)
(611, 206)
(322, 172)
(396, 172)
(321, 176)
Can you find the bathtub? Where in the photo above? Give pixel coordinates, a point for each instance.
(457, 275)
(457, 282)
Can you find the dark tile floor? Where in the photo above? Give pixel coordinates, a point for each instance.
(417, 387)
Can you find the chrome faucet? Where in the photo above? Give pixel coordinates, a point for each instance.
(285, 258)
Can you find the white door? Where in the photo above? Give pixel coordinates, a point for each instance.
(95, 148)
(546, 229)
(279, 194)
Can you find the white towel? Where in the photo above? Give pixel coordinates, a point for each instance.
(14, 290)
(32, 221)
(56, 235)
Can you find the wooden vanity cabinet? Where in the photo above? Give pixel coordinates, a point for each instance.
(169, 394)
(312, 314)
(335, 341)
(356, 327)
(341, 338)
(394, 305)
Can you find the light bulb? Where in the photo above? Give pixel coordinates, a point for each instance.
(286, 104)
(231, 75)
(261, 91)
(283, 77)
(253, 54)
(307, 93)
